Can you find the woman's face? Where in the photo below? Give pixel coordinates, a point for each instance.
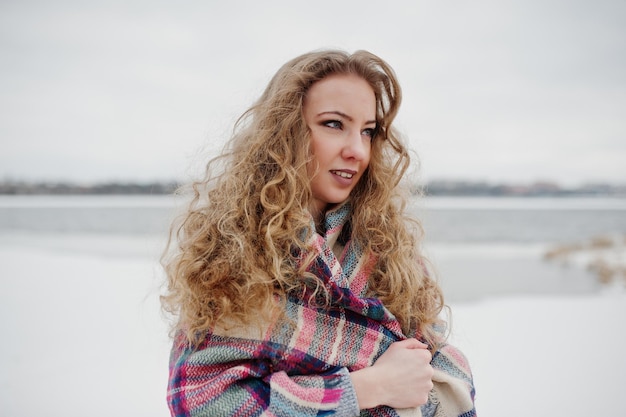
(340, 111)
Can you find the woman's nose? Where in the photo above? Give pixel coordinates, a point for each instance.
(356, 146)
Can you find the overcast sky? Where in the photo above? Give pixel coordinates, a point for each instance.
(517, 90)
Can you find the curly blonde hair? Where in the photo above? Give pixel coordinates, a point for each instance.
(231, 255)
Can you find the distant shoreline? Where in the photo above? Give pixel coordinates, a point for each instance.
(432, 188)
(105, 188)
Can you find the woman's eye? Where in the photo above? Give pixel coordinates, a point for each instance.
(370, 132)
(334, 124)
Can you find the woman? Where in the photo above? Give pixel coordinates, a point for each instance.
(296, 278)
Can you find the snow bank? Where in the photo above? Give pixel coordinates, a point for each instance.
(546, 356)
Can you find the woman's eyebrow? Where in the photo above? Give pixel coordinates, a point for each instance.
(345, 116)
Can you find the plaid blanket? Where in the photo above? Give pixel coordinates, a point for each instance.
(303, 370)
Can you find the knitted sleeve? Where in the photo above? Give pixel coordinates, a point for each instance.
(228, 376)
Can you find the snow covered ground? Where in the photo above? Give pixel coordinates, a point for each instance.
(83, 335)
(546, 356)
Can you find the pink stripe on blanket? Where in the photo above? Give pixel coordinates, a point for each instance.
(294, 389)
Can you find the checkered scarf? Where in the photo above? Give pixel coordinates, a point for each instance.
(272, 369)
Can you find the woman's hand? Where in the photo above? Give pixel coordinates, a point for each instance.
(400, 378)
